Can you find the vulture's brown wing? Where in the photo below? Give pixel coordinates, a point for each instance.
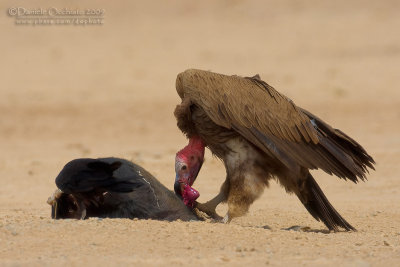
(272, 122)
(248, 102)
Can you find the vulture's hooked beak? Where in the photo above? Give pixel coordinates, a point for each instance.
(186, 192)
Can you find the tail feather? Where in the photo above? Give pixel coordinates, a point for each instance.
(342, 149)
(319, 207)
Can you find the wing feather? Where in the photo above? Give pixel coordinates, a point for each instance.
(248, 101)
(87, 175)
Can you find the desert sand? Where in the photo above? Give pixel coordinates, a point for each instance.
(70, 91)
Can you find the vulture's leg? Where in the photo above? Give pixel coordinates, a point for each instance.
(245, 188)
(247, 178)
(210, 206)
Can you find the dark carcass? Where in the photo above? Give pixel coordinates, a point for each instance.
(114, 188)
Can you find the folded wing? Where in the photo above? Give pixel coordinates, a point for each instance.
(274, 124)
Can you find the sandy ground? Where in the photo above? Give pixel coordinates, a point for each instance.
(91, 91)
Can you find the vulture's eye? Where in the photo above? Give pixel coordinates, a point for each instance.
(184, 167)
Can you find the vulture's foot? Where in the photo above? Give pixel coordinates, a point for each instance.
(210, 206)
(209, 209)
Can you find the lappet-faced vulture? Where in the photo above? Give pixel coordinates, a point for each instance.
(260, 134)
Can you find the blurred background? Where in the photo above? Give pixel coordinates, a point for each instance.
(69, 91)
(72, 91)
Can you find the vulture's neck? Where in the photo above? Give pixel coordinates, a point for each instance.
(196, 144)
(194, 148)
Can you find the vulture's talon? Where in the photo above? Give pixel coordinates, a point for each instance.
(210, 211)
(215, 216)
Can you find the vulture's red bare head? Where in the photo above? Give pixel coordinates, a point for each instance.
(188, 162)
